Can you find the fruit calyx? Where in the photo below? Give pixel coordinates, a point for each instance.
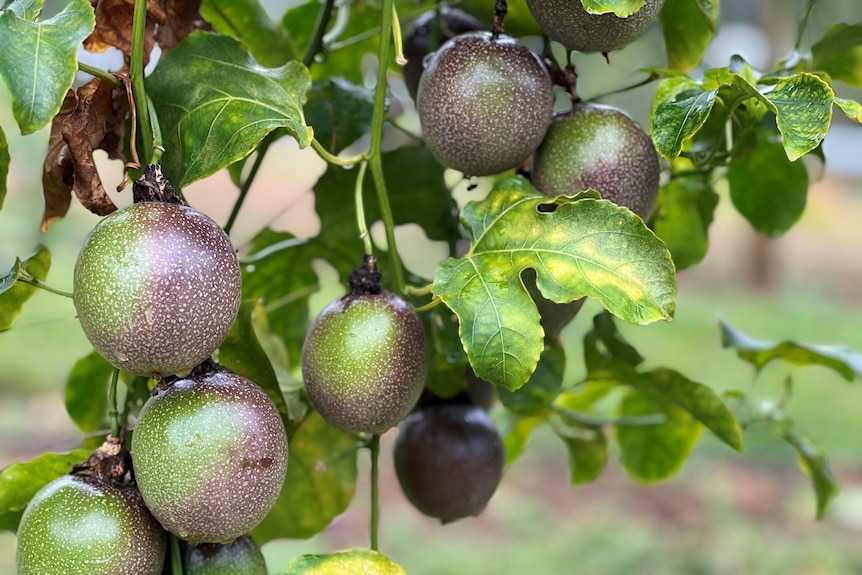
(365, 280)
(153, 186)
(110, 461)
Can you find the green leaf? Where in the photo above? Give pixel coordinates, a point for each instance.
(299, 21)
(364, 561)
(515, 433)
(622, 8)
(20, 481)
(851, 108)
(247, 21)
(839, 53)
(319, 485)
(87, 392)
(803, 109)
(4, 165)
(613, 344)
(447, 365)
(588, 452)
(767, 189)
(339, 112)
(842, 359)
(812, 460)
(215, 104)
(682, 216)
(13, 293)
(537, 395)
(242, 353)
(38, 59)
(581, 247)
(679, 110)
(688, 26)
(655, 452)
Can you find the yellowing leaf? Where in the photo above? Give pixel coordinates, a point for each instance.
(356, 562)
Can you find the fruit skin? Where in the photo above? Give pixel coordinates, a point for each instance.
(242, 557)
(449, 460)
(568, 23)
(157, 288)
(364, 362)
(453, 22)
(484, 103)
(599, 147)
(80, 524)
(210, 454)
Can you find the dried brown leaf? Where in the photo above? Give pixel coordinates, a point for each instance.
(183, 19)
(114, 26)
(57, 170)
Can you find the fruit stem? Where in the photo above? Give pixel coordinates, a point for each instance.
(500, 9)
(28, 279)
(136, 72)
(803, 24)
(316, 44)
(176, 558)
(374, 447)
(246, 185)
(360, 210)
(101, 74)
(113, 412)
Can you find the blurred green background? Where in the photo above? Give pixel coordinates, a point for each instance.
(723, 514)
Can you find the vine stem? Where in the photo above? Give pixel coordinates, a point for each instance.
(335, 160)
(36, 283)
(246, 185)
(319, 30)
(113, 412)
(176, 558)
(360, 210)
(101, 74)
(136, 73)
(803, 24)
(374, 446)
(630, 421)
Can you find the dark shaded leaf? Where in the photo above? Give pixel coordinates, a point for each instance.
(339, 112)
(353, 562)
(812, 460)
(320, 482)
(247, 21)
(839, 53)
(87, 392)
(688, 26)
(13, 293)
(537, 395)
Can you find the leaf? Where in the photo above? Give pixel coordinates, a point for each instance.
(14, 293)
(242, 353)
(447, 363)
(688, 26)
(537, 395)
(247, 21)
(515, 432)
(364, 561)
(812, 460)
(87, 392)
(20, 481)
(114, 27)
(851, 108)
(622, 8)
(655, 452)
(679, 110)
(614, 347)
(768, 189)
(584, 247)
(803, 109)
(37, 59)
(839, 53)
(319, 485)
(588, 452)
(842, 359)
(183, 18)
(339, 112)
(215, 104)
(4, 165)
(682, 216)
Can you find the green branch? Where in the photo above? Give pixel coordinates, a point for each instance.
(335, 160)
(136, 74)
(101, 74)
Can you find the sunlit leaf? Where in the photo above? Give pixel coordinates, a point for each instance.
(537, 395)
(37, 58)
(851, 108)
(688, 26)
(622, 8)
(20, 481)
(847, 362)
(803, 109)
(588, 452)
(319, 485)
(247, 21)
(679, 109)
(515, 432)
(215, 104)
(812, 460)
(355, 562)
(839, 53)
(87, 392)
(682, 216)
(14, 293)
(578, 247)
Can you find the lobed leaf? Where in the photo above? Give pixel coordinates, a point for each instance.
(38, 59)
(682, 216)
(87, 392)
(583, 247)
(215, 104)
(621, 8)
(21, 481)
(247, 21)
(839, 53)
(319, 485)
(847, 362)
(688, 27)
(364, 561)
(14, 293)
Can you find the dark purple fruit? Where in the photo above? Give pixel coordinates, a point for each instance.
(81, 524)
(242, 557)
(452, 22)
(449, 460)
(364, 362)
(157, 288)
(210, 454)
(485, 103)
(599, 147)
(568, 23)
